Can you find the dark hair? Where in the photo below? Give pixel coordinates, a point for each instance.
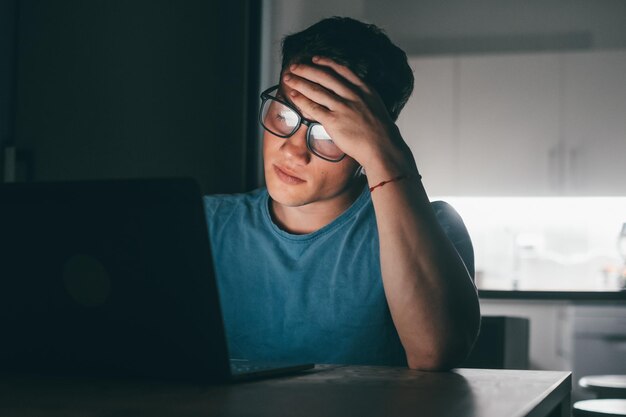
(364, 48)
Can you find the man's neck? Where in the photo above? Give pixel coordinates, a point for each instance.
(313, 216)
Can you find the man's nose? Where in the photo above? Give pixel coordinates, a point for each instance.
(295, 146)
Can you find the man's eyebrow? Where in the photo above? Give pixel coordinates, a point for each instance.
(280, 95)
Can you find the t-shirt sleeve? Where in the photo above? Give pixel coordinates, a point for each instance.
(215, 211)
(211, 203)
(216, 206)
(455, 229)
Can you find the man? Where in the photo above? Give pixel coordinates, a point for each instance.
(342, 258)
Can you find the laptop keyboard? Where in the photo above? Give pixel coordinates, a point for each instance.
(242, 366)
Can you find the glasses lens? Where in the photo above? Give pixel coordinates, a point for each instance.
(321, 143)
(278, 118)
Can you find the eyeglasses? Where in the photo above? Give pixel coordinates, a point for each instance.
(279, 118)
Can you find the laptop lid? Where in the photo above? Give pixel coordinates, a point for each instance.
(109, 278)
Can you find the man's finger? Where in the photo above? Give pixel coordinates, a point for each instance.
(326, 77)
(342, 70)
(313, 91)
(315, 110)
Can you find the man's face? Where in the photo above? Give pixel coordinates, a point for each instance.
(295, 177)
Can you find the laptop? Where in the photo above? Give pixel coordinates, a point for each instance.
(113, 278)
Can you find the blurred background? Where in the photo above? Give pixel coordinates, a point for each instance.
(518, 119)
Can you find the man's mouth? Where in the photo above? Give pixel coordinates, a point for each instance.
(287, 177)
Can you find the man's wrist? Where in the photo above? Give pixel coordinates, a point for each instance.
(391, 161)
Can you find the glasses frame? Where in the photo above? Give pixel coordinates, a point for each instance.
(265, 96)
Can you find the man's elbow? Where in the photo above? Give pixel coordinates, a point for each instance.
(434, 363)
(442, 358)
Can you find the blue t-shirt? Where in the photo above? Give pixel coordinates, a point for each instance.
(316, 297)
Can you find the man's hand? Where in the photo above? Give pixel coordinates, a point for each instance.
(351, 112)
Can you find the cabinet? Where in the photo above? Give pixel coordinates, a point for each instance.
(539, 124)
(599, 343)
(428, 123)
(582, 337)
(594, 123)
(507, 129)
(549, 337)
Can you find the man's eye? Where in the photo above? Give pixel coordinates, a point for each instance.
(288, 118)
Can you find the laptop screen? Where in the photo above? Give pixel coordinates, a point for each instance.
(109, 278)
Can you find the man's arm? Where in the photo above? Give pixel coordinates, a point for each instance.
(431, 296)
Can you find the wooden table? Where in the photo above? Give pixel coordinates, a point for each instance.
(323, 391)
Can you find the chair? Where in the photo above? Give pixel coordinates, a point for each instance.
(502, 344)
(600, 408)
(611, 393)
(605, 386)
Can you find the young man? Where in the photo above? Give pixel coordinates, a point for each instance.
(330, 264)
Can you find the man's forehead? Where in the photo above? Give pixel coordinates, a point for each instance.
(283, 94)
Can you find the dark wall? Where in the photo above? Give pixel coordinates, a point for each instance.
(141, 88)
(8, 14)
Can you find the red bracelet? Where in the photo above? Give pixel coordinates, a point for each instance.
(398, 178)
